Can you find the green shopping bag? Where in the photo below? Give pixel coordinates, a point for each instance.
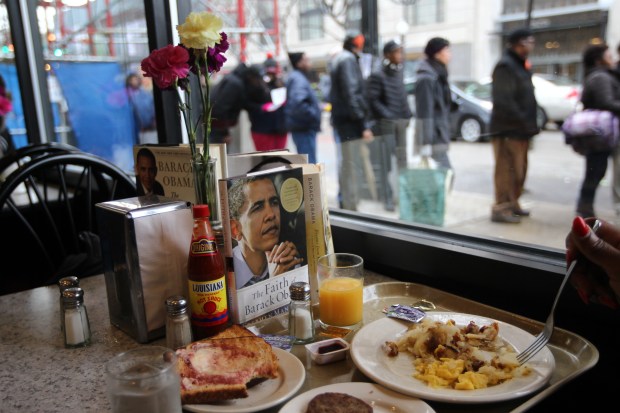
(422, 193)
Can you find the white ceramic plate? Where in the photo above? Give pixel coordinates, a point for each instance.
(381, 399)
(264, 395)
(396, 373)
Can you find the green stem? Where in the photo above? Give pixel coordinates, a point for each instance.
(206, 106)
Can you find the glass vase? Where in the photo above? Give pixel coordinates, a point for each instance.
(205, 186)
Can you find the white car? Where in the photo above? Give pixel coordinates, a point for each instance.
(557, 97)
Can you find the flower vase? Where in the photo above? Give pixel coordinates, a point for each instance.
(205, 186)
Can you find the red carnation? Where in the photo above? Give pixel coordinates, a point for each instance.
(166, 65)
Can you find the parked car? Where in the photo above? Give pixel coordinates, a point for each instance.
(469, 118)
(557, 97)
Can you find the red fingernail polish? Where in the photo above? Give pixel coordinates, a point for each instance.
(580, 228)
(584, 296)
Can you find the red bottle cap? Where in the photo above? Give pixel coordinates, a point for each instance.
(201, 211)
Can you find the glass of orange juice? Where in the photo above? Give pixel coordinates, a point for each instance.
(341, 284)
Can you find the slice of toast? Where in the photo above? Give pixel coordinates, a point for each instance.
(220, 367)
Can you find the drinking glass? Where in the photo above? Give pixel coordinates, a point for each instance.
(341, 282)
(144, 379)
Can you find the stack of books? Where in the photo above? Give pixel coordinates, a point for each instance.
(275, 220)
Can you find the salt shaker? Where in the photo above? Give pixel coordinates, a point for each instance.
(63, 284)
(300, 319)
(75, 318)
(178, 327)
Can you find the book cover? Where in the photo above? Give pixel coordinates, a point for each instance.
(167, 169)
(264, 223)
(318, 229)
(243, 163)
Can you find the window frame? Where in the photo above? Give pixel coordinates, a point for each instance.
(492, 271)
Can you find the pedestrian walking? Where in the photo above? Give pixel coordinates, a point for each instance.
(390, 110)
(268, 127)
(302, 110)
(434, 101)
(601, 90)
(228, 98)
(350, 116)
(513, 124)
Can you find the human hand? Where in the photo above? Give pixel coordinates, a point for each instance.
(597, 273)
(267, 107)
(285, 256)
(426, 150)
(367, 136)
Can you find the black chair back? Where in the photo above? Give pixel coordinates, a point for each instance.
(47, 216)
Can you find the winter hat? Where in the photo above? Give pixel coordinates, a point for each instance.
(270, 64)
(435, 45)
(355, 39)
(390, 46)
(295, 57)
(518, 35)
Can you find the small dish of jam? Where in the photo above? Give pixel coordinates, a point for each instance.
(328, 351)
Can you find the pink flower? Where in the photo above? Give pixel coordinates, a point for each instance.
(166, 65)
(5, 105)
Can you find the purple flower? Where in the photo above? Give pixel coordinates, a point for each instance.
(215, 55)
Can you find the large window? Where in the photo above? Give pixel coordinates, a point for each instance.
(310, 21)
(426, 12)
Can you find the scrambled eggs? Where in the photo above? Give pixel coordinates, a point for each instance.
(466, 358)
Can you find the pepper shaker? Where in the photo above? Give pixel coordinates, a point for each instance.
(178, 327)
(75, 318)
(300, 319)
(63, 284)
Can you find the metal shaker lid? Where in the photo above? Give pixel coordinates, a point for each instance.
(72, 296)
(68, 282)
(176, 305)
(300, 291)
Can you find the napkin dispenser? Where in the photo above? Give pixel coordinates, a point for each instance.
(144, 243)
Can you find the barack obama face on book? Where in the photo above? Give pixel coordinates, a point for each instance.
(255, 224)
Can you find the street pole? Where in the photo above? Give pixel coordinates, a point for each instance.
(370, 28)
(530, 5)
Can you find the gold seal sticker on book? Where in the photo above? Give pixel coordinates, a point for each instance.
(291, 194)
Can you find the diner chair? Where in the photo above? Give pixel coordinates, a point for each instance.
(52, 232)
(25, 154)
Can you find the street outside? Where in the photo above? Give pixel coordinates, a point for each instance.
(552, 186)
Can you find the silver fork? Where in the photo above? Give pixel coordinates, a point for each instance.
(543, 338)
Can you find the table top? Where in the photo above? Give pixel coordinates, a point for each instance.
(40, 374)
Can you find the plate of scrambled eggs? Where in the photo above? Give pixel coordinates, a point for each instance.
(451, 357)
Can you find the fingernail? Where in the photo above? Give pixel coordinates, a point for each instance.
(580, 228)
(584, 296)
(609, 302)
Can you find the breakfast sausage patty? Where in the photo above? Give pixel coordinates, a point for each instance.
(337, 403)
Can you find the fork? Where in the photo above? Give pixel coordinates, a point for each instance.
(543, 338)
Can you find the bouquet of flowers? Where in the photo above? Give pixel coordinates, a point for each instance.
(200, 53)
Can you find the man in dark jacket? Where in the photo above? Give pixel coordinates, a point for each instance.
(302, 110)
(513, 123)
(433, 102)
(350, 115)
(227, 100)
(389, 108)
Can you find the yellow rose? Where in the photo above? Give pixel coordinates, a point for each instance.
(200, 30)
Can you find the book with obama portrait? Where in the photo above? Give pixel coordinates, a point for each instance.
(263, 216)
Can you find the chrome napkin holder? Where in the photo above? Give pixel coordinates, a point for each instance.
(144, 242)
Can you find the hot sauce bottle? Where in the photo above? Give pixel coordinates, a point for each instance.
(207, 279)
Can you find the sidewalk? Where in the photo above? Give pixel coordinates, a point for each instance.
(469, 212)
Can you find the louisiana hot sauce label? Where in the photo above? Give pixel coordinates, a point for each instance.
(208, 302)
(207, 298)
